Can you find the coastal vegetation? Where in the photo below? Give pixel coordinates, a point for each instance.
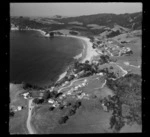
(73, 32)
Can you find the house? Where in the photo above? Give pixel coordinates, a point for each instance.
(128, 49)
(41, 95)
(76, 88)
(79, 86)
(104, 107)
(61, 97)
(85, 80)
(110, 42)
(100, 45)
(127, 63)
(69, 92)
(101, 74)
(81, 96)
(83, 84)
(51, 101)
(26, 95)
(75, 75)
(51, 89)
(19, 108)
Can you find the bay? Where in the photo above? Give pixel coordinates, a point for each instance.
(39, 60)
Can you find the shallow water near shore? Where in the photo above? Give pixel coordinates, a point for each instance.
(39, 60)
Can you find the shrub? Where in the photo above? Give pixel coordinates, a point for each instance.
(11, 114)
(73, 33)
(72, 112)
(63, 120)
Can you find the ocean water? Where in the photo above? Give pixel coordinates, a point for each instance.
(40, 60)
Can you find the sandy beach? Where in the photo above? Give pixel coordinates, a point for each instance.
(87, 53)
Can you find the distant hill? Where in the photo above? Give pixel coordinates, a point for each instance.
(125, 20)
(105, 24)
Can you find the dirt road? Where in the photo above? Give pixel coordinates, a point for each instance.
(29, 126)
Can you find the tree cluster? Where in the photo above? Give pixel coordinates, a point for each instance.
(71, 112)
(51, 34)
(104, 59)
(38, 101)
(31, 86)
(128, 89)
(11, 113)
(113, 34)
(73, 32)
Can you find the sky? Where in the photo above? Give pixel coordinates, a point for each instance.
(72, 9)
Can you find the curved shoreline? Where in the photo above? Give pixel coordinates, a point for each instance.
(87, 53)
(43, 33)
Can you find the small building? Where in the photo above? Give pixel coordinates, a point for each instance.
(51, 89)
(69, 92)
(104, 107)
(19, 108)
(61, 97)
(26, 95)
(100, 45)
(79, 86)
(81, 96)
(55, 104)
(51, 101)
(101, 74)
(41, 95)
(85, 80)
(126, 63)
(83, 84)
(75, 75)
(128, 49)
(76, 88)
(110, 42)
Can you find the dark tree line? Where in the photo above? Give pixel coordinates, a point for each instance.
(31, 86)
(113, 34)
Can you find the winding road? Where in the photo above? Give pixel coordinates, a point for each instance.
(29, 126)
(123, 70)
